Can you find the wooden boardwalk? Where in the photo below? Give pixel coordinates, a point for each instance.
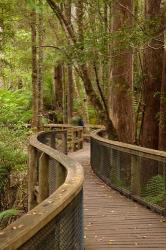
(112, 221)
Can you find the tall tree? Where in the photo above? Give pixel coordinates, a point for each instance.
(40, 64)
(58, 88)
(37, 62)
(153, 59)
(34, 71)
(162, 127)
(67, 10)
(122, 69)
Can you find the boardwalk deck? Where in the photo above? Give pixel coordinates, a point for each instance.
(112, 221)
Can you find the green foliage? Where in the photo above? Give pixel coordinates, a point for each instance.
(13, 168)
(12, 156)
(92, 115)
(14, 110)
(14, 107)
(8, 213)
(154, 192)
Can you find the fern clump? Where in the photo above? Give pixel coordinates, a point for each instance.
(6, 216)
(154, 191)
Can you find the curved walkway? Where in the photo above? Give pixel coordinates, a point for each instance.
(112, 221)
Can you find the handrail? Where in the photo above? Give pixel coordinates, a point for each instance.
(137, 172)
(129, 148)
(83, 132)
(19, 232)
(74, 135)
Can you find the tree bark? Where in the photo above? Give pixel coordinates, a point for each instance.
(58, 88)
(153, 57)
(67, 11)
(37, 63)
(152, 66)
(162, 127)
(69, 93)
(120, 101)
(34, 71)
(40, 65)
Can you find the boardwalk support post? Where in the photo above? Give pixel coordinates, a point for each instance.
(135, 175)
(60, 175)
(52, 140)
(32, 177)
(64, 138)
(43, 177)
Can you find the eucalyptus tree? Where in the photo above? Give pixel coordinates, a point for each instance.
(120, 103)
(162, 124)
(152, 73)
(70, 84)
(37, 65)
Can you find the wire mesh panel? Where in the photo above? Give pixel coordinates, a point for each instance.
(139, 177)
(52, 175)
(64, 232)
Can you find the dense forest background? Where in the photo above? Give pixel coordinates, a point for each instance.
(103, 60)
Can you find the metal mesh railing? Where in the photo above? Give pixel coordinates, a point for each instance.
(55, 217)
(64, 232)
(137, 172)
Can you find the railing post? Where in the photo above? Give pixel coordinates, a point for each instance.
(76, 143)
(135, 175)
(81, 138)
(43, 177)
(32, 177)
(115, 166)
(72, 139)
(52, 140)
(64, 138)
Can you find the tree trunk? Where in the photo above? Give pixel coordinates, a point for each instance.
(34, 72)
(162, 127)
(40, 65)
(65, 97)
(152, 66)
(58, 89)
(37, 63)
(153, 56)
(67, 11)
(69, 93)
(120, 100)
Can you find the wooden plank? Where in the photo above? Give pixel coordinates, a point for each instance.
(114, 222)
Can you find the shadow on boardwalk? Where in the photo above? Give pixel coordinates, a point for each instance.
(112, 221)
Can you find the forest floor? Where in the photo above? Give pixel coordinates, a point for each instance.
(111, 221)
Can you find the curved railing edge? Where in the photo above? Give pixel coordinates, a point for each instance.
(17, 233)
(137, 150)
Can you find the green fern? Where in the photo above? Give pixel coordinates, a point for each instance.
(8, 213)
(154, 192)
